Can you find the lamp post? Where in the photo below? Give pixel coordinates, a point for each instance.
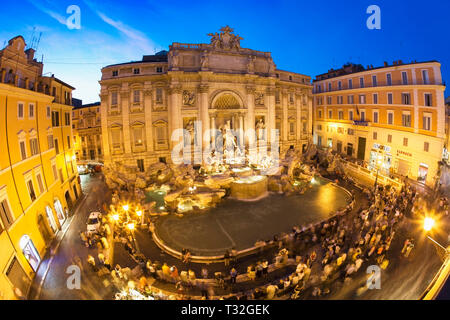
(428, 224)
(377, 163)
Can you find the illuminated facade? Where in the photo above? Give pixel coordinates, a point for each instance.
(38, 177)
(86, 123)
(219, 84)
(391, 117)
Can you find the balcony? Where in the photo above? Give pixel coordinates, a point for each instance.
(363, 123)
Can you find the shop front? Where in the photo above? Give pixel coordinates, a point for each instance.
(30, 252)
(423, 173)
(380, 158)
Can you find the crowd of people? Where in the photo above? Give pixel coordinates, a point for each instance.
(327, 256)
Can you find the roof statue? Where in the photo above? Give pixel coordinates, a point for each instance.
(226, 39)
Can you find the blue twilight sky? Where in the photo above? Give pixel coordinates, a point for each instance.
(308, 37)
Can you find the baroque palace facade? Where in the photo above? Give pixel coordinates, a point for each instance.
(38, 176)
(220, 84)
(390, 117)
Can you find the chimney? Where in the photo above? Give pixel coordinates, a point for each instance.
(30, 54)
(386, 64)
(400, 62)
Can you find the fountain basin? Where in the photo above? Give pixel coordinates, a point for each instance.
(249, 188)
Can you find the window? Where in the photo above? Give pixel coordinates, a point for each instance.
(67, 118)
(374, 81)
(159, 95)
(426, 146)
(319, 127)
(136, 96)
(40, 183)
(140, 164)
(136, 71)
(388, 79)
(138, 136)
(290, 78)
(390, 98)
(375, 98)
(362, 98)
(23, 150)
(55, 118)
(389, 139)
(363, 115)
(350, 99)
(5, 213)
(405, 142)
(61, 175)
(375, 117)
(159, 69)
(425, 76)
(31, 190)
(330, 114)
(406, 119)
(350, 132)
(426, 121)
(49, 113)
(341, 114)
(20, 111)
(361, 82)
(350, 83)
(34, 148)
(340, 99)
(68, 142)
(329, 100)
(55, 172)
(404, 77)
(291, 128)
(31, 111)
(375, 136)
(115, 73)
(350, 115)
(329, 86)
(113, 98)
(320, 114)
(116, 138)
(50, 141)
(390, 117)
(56, 146)
(340, 85)
(406, 98)
(428, 99)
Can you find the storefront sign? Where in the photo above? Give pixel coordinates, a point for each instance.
(403, 153)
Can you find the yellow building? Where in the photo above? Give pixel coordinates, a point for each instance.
(391, 117)
(38, 177)
(86, 122)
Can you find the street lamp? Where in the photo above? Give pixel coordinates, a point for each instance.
(378, 163)
(428, 224)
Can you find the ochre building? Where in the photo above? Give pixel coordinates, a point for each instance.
(390, 117)
(38, 176)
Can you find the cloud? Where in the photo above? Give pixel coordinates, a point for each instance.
(138, 38)
(39, 5)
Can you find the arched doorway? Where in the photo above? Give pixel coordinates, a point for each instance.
(30, 252)
(59, 211)
(75, 192)
(51, 219)
(43, 229)
(68, 199)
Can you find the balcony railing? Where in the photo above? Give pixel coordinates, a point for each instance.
(382, 84)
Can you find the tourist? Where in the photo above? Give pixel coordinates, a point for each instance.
(204, 273)
(233, 275)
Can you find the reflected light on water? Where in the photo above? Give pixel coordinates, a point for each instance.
(327, 197)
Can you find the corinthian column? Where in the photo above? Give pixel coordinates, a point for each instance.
(124, 100)
(104, 109)
(298, 118)
(148, 94)
(250, 127)
(175, 121)
(270, 103)
(204, 115)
